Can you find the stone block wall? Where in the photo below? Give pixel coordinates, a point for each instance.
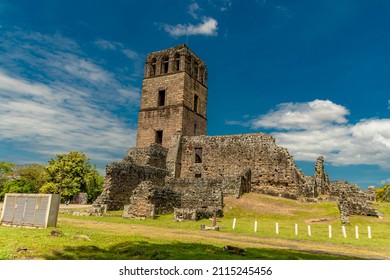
(122, 178)
(182, 214)
(352, 200)
(273, 169)
(81, 198)
(174, 96)
(197, 192)
(148, 200)
(155, 155)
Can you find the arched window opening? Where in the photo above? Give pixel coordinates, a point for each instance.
(195, 70)
(165, 65)
(200, 77)
(153, 68)
(198, 155)
(177, 62)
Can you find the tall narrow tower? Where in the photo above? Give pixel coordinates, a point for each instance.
(174, 97)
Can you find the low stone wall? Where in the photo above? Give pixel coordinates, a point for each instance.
(352, 200)
(197, 192)
(148, 200)
(183, 214)
(280, 191)
(81, 198)
(121, 180)
(236, 185)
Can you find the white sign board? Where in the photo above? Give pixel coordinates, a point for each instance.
(32, 210)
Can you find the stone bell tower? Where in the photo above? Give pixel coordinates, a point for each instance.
(174, 97)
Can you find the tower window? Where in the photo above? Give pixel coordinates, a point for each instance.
(161, 97)
(194, 128)
(177, 62)
(198, 155)
(165, 65)
(196, 100)
(159, 137)
(153, 70)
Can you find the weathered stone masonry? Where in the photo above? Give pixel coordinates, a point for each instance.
(176, 168)
(222, 156)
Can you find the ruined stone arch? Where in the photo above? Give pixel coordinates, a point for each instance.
(164, 65)
(153, 67)
(201, 74)
(195, 69)
(177, 62)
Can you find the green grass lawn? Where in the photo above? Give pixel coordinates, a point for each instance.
(83, 237)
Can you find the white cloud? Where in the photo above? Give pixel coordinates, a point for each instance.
(320, 127)
(385, 181)
(131, 54)
(84, 69)
(193, 10)
(315, 114)
(208, 27)
(106, 45)
(10, 84)
(222, 5)
(54, 98)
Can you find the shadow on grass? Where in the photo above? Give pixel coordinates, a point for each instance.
(179, 251)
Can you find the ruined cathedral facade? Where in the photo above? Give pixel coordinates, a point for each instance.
(176, 167)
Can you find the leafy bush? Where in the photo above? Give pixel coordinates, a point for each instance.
(383, 194)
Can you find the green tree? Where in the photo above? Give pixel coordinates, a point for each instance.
(69, 174)
(24, 179)
(18, 186)
(383, 194)
(5, 168)
(94, 184)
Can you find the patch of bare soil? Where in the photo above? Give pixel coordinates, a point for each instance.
(264, 204)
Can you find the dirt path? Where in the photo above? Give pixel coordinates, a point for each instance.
(224, 238)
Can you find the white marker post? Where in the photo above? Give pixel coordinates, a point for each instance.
(296, 229)
(308, 230)
(344, 231)
(255, 226)
(330, 231)
(277, 228)
(369, 232)
(357, 232)
(234, 223)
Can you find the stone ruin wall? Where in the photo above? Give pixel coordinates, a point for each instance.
(122, 178)
(149, 200)
(230, 165)
(233, 185)
(352, 200)
(273, 169)
(154, 155)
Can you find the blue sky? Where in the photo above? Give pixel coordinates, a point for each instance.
(315, 74)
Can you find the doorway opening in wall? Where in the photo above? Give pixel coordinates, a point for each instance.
(198, 175)
(159, 137)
